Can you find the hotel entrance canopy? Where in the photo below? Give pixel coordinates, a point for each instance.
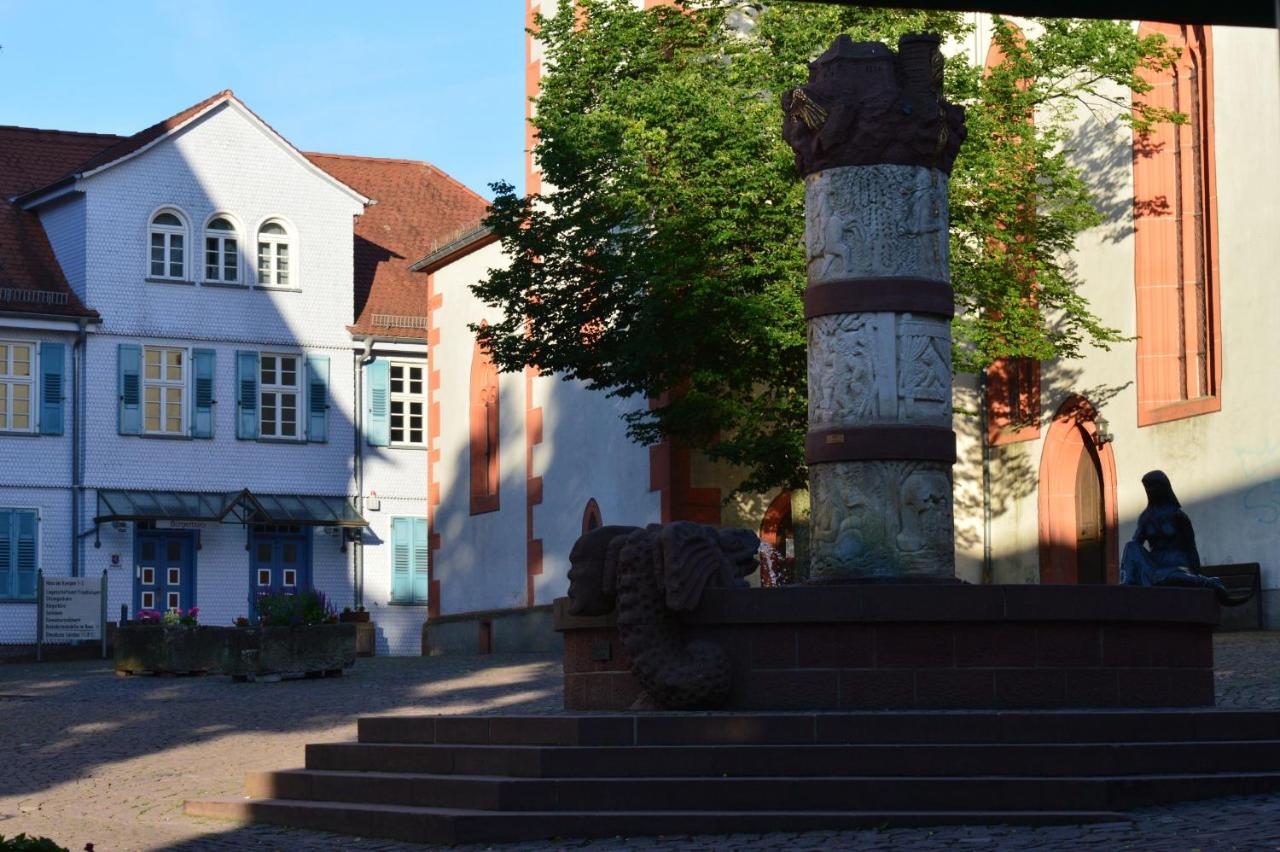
(235, 507)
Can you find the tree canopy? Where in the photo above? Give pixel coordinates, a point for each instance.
(665, 259)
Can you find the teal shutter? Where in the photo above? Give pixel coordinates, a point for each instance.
(247, 395)
(420, 560)
(24, 563)
(318, 398)
(202, 361)
(6, 554)
(129, 361)
(378, 429)
(53, 365)
(401, 560)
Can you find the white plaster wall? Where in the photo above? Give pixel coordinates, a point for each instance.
(1225, 466)
(481, 563)
(53, 550)
(584, 453)
(399, 627)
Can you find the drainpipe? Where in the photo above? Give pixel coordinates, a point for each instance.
(358, 462)
(988, 569)
(77, 469)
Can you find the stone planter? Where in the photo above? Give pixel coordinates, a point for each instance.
(354, 616)
(314, 650)
(162, 649)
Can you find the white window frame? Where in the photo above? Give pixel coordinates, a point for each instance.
(166, 388)
(273, 243)
(405, 397)
(8, 382)
(281, 390)
(167, 233)
(222, 237)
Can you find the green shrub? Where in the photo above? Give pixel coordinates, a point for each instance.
(284, 609)
(22, 843)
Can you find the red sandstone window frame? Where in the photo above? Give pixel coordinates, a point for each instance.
(485, 434)
(1181, 159)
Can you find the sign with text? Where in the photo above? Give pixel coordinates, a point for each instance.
(71, 609)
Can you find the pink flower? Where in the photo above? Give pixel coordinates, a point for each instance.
(193, 612)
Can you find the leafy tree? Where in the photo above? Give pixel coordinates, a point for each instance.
(666, 260)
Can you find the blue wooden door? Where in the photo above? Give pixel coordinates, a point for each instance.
(279, 560)
(165, 577)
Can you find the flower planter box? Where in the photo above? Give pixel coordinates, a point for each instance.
(273, 652)
(242, 652)
(164, 649)
(355, 616)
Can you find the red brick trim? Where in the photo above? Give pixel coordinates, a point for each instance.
(533, 485)
(1013, 401)
(532, 87)
(1072, 431)
(434, 302)
(1162, 293)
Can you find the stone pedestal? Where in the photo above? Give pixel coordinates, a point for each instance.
(876, 142)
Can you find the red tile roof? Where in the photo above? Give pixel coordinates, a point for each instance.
(418, 207)
(31, 281)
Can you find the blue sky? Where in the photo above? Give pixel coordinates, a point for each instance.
(435, 80)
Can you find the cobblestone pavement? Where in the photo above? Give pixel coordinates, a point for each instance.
(88, 757)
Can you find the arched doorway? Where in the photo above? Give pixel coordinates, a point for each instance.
(777, 531)
(1077, 500)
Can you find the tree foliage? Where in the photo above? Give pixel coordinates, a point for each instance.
(666, 258)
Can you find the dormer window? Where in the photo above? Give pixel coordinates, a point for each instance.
(273, 255)
(168, 246)
(221, 252)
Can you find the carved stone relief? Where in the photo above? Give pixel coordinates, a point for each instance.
(879, 368)
(875, 222)
(881, 519)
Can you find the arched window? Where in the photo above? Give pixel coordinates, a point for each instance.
(591, 519)
(168, 246)
(221, 251)
(1176, 236)
(484, 432)
(274, 255)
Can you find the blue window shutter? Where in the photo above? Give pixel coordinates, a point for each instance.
(378, 423)
(7, 558)
(24, 563)
(317, 398)
(202, 361)
(247, 395)
(401, 560)
(53, 358)
(420, 560)
(129, 359)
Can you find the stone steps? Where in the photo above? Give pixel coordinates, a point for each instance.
(507, 778)
(452, 826)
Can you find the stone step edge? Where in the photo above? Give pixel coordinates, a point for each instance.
(451, 826)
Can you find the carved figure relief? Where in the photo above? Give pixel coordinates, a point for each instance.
(876, 222)
(881, 518)
(843, 369)
(924, 370)
(651, 575)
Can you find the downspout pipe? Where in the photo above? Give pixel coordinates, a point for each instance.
(361, 360)
(77, 468)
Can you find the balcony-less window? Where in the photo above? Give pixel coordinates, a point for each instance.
(408, 402)
(273, 255)
(168, 246)
(164, 384)
(16, 385)
(221, 252)
(280, 389)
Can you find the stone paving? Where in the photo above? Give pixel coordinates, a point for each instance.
(86, 757)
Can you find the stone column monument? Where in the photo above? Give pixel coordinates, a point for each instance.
(876, 142)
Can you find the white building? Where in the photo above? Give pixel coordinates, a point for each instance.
(253, 368)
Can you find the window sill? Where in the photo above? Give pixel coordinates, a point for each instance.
(156, 436)
(20, 433)
(180, 282)
(1151, 415)
(273, 289)
(301, 442)
(419, 604)
(225, 285)
(418, 447)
